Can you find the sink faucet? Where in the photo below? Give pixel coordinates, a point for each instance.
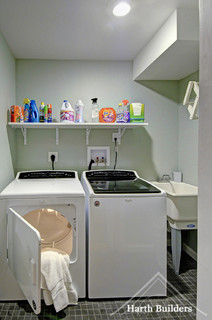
(165, 177)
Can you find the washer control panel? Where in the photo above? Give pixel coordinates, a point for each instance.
(110, 175)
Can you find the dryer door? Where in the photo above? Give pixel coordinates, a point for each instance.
(24, 256)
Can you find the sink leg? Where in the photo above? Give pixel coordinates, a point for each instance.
(176, 243)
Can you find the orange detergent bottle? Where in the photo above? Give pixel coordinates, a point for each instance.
(17, 113)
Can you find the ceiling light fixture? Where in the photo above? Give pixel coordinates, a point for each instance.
(121, 9)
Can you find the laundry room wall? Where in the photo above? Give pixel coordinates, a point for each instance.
(7, 98)
(168, 143)
(152, 151)
(188, 136)
(188, 151)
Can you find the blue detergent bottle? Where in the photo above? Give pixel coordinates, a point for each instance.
(33, 112)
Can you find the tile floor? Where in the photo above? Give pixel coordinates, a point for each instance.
(179, 303)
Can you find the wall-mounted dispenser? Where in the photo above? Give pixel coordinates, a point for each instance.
(192, 105)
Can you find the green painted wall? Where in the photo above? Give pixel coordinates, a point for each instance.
(169, 143)
(7, 98)
(188, 136)
(152, 151)
(188, 149)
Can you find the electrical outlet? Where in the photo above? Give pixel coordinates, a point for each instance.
(116, 136)
(54, 154)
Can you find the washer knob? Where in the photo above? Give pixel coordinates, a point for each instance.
(97, 203)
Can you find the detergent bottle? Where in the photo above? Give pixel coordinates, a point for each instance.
(41, 111)
(26, 110)
(126, 111)
(49, 112)
(120, 114)
(45, 112)
(66, 112)
(79, 110)
(33, 112)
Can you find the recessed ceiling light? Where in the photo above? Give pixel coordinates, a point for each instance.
(121, 9)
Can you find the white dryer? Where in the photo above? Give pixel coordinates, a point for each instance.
(40, 197)
(126, 235)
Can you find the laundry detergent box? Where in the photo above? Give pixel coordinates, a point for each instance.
(107, 115)
(136, 112)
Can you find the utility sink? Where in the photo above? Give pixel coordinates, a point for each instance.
(181, 204)
(181, 213)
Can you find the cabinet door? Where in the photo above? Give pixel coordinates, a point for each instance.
(24, 256)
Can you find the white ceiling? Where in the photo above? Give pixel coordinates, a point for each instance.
(82, 29)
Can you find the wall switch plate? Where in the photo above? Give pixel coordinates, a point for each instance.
(100, 156)
(52, 153)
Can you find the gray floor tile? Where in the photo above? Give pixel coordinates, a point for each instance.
(181, 294)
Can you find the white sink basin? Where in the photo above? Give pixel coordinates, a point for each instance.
(181, 204)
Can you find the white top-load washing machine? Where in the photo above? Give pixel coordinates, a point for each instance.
(126, 235)
(55, 202)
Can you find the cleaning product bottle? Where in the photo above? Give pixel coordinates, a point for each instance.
(41, 112)
(79, 110)
(45, 111)
(66, 112)
(49, 112)
(33, 112)
(126, 111)
(95, 111)
(26, 110)
(120, 114)
(17, 113)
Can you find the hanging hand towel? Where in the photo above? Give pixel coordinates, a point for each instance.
(56, 280)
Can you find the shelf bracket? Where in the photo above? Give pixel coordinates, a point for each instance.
(57, 136)
(121, 131)
(24, 132)
(88, 130)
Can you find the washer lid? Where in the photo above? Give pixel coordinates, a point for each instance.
(43, 187)
(118, 182)
(136, 186)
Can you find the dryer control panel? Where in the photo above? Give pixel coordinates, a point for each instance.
(45, 174)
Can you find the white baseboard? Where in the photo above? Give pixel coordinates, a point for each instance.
(187, 249)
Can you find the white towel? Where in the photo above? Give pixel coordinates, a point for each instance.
(56, 280)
